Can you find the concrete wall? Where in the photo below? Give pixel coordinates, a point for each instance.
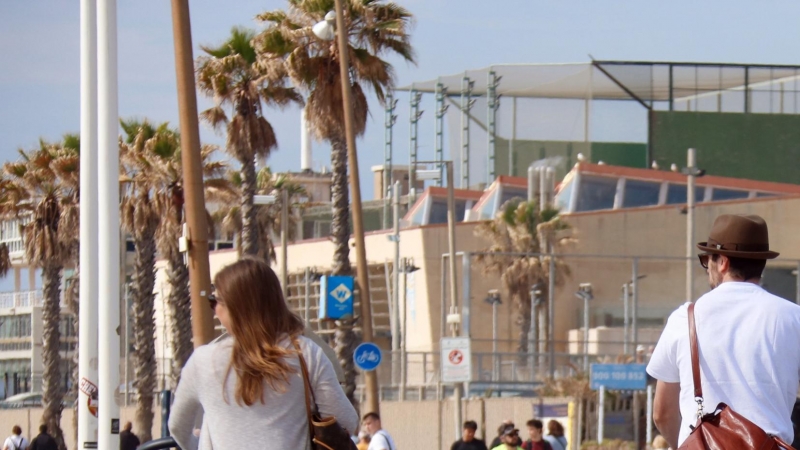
(30, 419)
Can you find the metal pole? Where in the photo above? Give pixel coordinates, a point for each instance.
(466, 313)
(370, 377)
(601, 413)
(649, 413)
(404, 346)
(586, 334)
(285, 243)
(451, 240)
(443, 325)
(196, 220)
(626, 321)
(492, 105)
(495, 361)
(690, 202)
(441, 108)
(108, 229)
(388, 173)
(533, 182)
(636, 431)
(466, 105)
(396, 284)
(533, 335)
(635, 293)
(307, 296)
(579, 430)
(88, 295)
(413, 145)
(551, 311)
(513, 136)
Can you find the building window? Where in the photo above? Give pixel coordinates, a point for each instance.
(439, 211)
(564, 196)
(676, 193)
(640, 193)
(765, 194)
(596, 193)
(509, 193)
(728, 194)
(18, 326)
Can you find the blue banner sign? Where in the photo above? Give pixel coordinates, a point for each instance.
(367, 356)
(621, 377)
(337, 292)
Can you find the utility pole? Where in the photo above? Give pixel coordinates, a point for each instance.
(89, 266)
(370, 377)
(451, 244)
(691, 172)
(195, 207)
(108, 227)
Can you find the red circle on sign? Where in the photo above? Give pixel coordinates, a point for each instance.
(455, 356)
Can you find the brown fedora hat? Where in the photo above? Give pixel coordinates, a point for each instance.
(739, 236)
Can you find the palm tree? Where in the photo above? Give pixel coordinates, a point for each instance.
(268, 217)
(287, 47)
(165, 157)
(521, 227)
(230, 74)
(140, 218)
(45, 181)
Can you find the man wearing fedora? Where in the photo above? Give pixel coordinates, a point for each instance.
(749, 339)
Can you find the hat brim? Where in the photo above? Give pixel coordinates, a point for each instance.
(736, 254)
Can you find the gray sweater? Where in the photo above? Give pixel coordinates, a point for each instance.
(279, 423)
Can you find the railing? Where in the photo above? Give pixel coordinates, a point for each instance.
(20, 299)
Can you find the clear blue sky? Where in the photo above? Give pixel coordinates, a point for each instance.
(39, 50)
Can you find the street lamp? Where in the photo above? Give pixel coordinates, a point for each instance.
(692, 172)
(585, 293)
(324, 31)
(533, 341)
(626, 294)
(271, 200)
(494, 299)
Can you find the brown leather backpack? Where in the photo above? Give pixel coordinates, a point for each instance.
(722, 429)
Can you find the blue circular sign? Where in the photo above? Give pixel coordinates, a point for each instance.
(367, 356)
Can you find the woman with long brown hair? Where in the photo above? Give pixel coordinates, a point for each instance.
(249, 386)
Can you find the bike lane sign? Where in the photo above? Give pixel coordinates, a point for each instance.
(367, 356)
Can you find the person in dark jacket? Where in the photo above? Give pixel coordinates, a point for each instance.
(128, 440)
(43, 441)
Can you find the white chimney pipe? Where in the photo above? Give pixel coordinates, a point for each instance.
(305, 143)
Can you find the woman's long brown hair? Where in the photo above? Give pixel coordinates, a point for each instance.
(259, 320)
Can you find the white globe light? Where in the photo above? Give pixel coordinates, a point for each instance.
(325, 29)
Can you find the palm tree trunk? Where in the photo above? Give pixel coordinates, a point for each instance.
(52, 390)
(524, 322)
(144, 354)
(179, 303)
(249, 228)
(345, 338)
(340, 198)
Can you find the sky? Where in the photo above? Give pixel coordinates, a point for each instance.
(40, 55)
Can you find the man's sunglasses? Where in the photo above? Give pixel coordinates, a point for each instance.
(704, 260)
(212, 299)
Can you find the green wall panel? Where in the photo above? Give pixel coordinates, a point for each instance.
(753, 146)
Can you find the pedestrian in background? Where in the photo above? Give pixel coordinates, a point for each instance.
(536, 436)
(363, 440)
(500, 430)
(16, 441)
(43, 441)
(468, 440)
(379, 438)
(127, 439)
(555, 435)
(509, 439)
(249, 385)
(747, 339)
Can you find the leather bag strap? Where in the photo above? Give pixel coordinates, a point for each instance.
(698, 389)
(309, 392)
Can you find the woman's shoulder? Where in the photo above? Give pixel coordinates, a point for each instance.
(219, 347)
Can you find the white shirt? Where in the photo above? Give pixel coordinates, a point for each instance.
(381, 441)
(15, 442)
(749, 343)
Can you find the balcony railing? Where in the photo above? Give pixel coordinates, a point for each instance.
(20, 299)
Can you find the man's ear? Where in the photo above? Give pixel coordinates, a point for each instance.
(723, 264)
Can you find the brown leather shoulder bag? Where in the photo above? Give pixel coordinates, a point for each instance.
(722, 429)
(326, 433)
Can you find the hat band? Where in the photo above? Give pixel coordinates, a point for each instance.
(738, 247)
